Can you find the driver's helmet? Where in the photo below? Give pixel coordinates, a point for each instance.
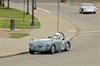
(56, 36)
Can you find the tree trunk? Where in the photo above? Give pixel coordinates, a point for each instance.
(27, 7)
(8, 4)
(0, 2)
(3, 3)
(63, 1)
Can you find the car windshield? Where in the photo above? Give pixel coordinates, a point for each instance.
(87, 4)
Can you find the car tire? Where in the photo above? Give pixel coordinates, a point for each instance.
(94, 12)
(82, 11)
(52, 49)
(67, 46)
(31, 51)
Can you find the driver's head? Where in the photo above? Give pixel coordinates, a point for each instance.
(56, 36)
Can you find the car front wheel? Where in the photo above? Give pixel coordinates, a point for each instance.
(94, 12)
(82, 11)
(52, 49)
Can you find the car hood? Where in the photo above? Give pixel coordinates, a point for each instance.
(44, 40)
(88, 7)
(41, 41)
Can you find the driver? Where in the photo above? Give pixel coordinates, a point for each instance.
(57, 36)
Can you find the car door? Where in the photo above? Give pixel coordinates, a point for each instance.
(62, 45)
(58, 45)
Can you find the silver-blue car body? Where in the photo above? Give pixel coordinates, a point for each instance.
(51, 44)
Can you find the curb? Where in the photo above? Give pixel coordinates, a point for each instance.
(21, 53)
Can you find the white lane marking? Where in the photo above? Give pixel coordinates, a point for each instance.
(90, 32)
(44, 10)
(89, 35)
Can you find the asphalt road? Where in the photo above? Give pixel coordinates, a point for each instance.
(85, 47)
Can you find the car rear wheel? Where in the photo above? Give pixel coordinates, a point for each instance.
(82, 11)
(67, 46)
(94, 12)
(52, 50)
(31, 51)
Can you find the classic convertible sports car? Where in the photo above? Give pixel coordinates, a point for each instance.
(53, 44)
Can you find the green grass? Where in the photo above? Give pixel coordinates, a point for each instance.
(19, 24)
(13, 13)
(7, 14)
(18, 35)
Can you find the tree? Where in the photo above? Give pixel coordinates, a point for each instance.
(63, 1)
(3, 3)
(27, 7)
(8, 4)
(0, 2)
